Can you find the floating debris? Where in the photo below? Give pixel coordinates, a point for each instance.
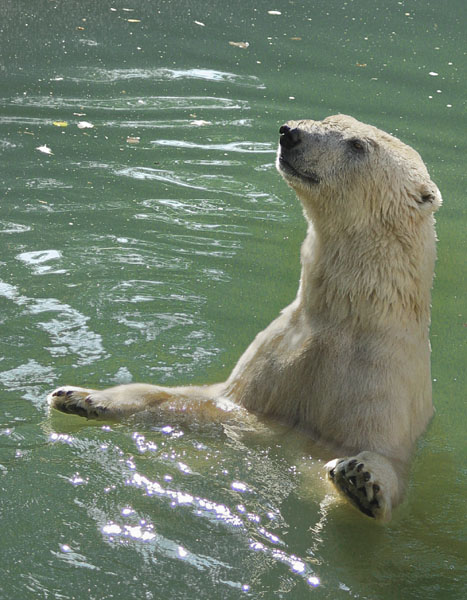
(85, 125)
(60, 123)
(45, 149)
(240, 44)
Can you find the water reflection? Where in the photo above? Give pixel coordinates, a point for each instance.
(152, 521)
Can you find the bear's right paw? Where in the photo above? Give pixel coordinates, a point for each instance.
(78, 401)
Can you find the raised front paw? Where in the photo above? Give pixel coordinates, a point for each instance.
(362, 484)
(79, 401)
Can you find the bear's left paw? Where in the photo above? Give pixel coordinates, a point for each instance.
(355, 478)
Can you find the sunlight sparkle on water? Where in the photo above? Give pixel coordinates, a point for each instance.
(60, 437)
(76, 479)
(239, 486)
(136, 532)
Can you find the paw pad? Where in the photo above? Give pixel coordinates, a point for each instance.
(358, 485)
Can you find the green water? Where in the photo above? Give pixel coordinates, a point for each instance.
(154, 245)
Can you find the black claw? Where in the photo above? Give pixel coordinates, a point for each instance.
(59, 393)
(366, 476)
(359, 504)
(376, 488)
(353, 480)
(362, 490)
(352, 464)
(68, 392)
(359, 467)
(332, 472)
(77, 410)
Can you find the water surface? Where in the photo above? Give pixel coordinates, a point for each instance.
(146, 237)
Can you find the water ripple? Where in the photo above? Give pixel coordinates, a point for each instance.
(37, 260)
(244, 146)
(46, 183)
(8, 227)
(221, 513)
(134, 291)
(130, 103)
(174, 219)
(29, 380)
(99, 75)
(67, 327)
(174, 123)
(217, 184)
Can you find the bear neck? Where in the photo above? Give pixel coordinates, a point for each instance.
(364, 280)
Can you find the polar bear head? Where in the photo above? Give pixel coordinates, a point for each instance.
(355, 175)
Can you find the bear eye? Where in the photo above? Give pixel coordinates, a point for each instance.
(357, 145)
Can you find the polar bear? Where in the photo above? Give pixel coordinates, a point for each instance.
(349, 360)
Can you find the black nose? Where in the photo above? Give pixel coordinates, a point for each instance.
(289, 137)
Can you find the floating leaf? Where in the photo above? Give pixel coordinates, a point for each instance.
(296, 39)
(199, 23)
(45, 149)
(85, 125)
(134, 20)
(133, 139)
(240, 44)
(274, 12)
(60, 123)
